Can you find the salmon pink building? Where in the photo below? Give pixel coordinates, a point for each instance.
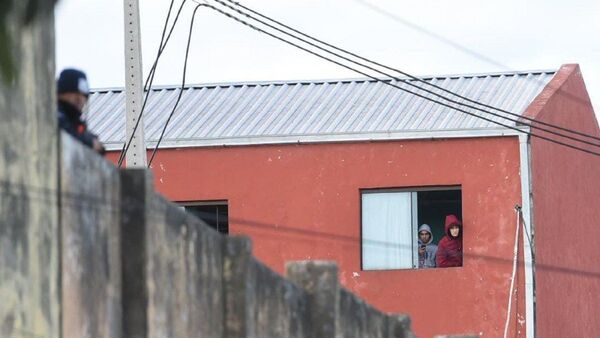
(347, 170)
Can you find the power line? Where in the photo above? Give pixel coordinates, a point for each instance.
(400, 80)
(187, 52)
(412, 77)
(449, 42)
(150, 78)
(398, 87)
(434, 35)
(21, 192)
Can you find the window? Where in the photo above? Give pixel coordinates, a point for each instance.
(214, 213)
(390, 219)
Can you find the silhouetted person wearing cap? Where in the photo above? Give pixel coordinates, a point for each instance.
(73, 92)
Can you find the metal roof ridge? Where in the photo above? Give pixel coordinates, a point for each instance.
(309, 81)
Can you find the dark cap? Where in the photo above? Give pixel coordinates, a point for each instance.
(72, 81)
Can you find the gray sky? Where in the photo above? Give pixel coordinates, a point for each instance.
(418, 37)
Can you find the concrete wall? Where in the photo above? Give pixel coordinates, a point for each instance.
(259, 303)
(183, 274)
(29, 241)
(358, 319)
(335, 312)
(566, 216)
(172, 266)
(91, 266)
(201, 283)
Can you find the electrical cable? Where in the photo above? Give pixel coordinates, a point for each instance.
(406, 74)
(451, 43)
(526, 232)
(149, 80)
(528, 239)
(150, 77)
(534, 266)
(398, 87)
(152, 72)
(431, 34)
(187, 51)
(412, 77)
(514, 272)
(27, 193)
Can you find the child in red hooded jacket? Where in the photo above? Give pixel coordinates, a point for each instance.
(450, 253)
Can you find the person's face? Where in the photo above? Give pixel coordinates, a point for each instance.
(76, 99)
(424, 236)
(454, 231)
(80, 101)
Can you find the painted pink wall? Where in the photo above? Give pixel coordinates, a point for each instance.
(302, 202)
(566, 209)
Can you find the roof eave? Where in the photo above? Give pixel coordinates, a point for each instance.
(332, 138)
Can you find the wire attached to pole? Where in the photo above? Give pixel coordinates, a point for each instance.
(150, 78)
(229, 15)
(518, 116)
(187, 52)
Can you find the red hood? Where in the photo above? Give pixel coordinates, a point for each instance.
(451, 220)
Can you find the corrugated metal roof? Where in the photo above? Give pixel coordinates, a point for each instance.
(255, 110)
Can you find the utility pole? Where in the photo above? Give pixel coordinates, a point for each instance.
(136, 154)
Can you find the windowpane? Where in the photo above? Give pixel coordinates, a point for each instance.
(386, 231)
(434, 205)
(215, 215)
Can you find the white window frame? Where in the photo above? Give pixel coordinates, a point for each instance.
(414, 218)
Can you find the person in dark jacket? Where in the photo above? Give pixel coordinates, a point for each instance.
(72, 92)
(450, 251)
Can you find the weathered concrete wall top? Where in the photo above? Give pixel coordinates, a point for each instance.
(335, 312)
(91, 266)
(29, 273)
(184, 274)
(279, 306)
(258, 301)
(359, 319)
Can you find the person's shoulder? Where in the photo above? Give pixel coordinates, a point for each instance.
(443, 240)
(63, 121)
(432, 247)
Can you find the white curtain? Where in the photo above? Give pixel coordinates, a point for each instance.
(387, 231)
